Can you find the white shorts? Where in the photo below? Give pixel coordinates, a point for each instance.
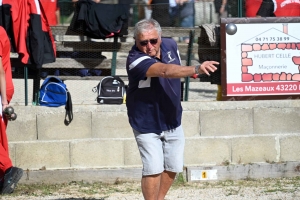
(160, 152)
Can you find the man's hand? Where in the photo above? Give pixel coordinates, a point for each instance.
(207, 67)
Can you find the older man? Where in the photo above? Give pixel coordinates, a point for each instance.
(154, 107)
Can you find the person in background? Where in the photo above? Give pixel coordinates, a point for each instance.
(9, 175)
(174, 13)
(154, 105)
(187, 15)
(221, 8)
(52, 11)
(147, 9)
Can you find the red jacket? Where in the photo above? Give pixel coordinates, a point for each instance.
(252, 7)
(32, 35)
(50, 7)
(287, 8)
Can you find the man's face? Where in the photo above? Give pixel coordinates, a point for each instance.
(149, 42)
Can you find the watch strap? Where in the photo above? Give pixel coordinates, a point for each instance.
(197, 69)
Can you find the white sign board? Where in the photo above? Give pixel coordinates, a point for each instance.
(263, 59)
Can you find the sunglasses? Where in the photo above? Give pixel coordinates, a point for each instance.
(145, 42)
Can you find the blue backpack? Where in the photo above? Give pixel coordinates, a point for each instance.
(54, 93)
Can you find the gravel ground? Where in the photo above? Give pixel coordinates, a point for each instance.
(259, 189)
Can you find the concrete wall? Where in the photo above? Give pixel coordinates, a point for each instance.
(100, 137)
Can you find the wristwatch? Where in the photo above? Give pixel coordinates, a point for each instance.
(197, 69)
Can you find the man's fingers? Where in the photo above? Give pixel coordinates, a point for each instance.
(209, 66)
(212, 68)
(203, 68)
(205, 71)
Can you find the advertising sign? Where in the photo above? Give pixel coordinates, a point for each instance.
(261, 58)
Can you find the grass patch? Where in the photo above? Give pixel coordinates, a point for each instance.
(179, 180)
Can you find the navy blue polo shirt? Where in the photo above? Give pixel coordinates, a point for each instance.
(153, 103)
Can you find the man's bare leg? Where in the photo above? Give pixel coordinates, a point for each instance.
(166, 181)
(155, 187)
(150, 186)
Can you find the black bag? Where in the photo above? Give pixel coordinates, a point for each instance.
(110, 90)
